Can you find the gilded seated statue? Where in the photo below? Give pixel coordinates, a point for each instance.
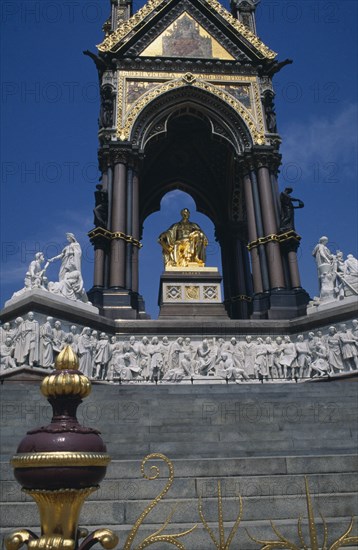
(184, 243)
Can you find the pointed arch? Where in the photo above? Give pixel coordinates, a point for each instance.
(229, 120)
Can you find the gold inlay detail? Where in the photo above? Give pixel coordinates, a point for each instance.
(192, 292)
(109, 235)
(280, 238)
(172, 81)
(64, 458)
(115, 40)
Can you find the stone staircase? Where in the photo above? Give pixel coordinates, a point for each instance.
(258, 440)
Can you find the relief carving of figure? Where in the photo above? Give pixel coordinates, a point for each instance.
(320, 365)
(184, 243)
(303, 356)
(260, 366)
(6, 332)
(27, 340)
(46, 343)
(334, 351)
(164, 350)
(228, 370)
(348, 347)
(205, 358)
(7, 360)
(288, 356)
(85, 352)
(144, 357)
(249, 348)
(72, 338)
(156, 360)
(102, 355)
(270, 358)
(58, 337)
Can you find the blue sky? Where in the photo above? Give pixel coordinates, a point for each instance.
(49, 110)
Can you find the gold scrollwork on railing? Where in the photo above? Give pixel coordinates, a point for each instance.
(222, 544)
(283, 542)
(157, 536)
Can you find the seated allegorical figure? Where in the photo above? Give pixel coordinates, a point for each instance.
(184, 243)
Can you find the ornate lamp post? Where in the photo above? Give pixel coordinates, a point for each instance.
(61, 464)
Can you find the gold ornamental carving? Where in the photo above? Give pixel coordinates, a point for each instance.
(65, 458)
(127, 114)
(152, 8)
(192, 292)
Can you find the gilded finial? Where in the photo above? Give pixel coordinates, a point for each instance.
(63, 381)
(67, 360)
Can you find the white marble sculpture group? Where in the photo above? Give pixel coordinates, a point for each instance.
(70, 283)
(159, 359)
(338, 278)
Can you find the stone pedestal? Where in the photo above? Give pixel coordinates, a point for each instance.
(191, 292)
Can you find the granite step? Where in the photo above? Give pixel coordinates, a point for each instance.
(126, 512)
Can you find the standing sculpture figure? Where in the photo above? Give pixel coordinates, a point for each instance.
(70, 257)
(70, 282)
(287, 218)
(322, 254)
(184, 243)
(326, 267)
(101, 209)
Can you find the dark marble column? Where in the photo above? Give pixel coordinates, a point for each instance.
(274, 259)
(252, 234)
(135, 231)
(129, 228)
(294, 272)
(260, 232)
(117, 269)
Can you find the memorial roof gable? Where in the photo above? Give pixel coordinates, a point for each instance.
(146, 27)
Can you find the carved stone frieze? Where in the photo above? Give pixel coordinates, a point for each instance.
(250, 359)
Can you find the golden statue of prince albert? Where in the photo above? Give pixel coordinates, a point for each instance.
(184, 243)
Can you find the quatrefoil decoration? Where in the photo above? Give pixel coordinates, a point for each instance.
(189, 78)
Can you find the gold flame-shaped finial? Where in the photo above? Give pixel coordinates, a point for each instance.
(67, 360)
(63, 381)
